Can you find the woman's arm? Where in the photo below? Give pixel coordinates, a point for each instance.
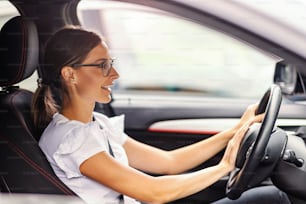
(153, 160)
(127, 180)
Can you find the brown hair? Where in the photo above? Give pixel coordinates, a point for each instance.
(67, 46)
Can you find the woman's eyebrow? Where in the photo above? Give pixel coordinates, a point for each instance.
(100, 60)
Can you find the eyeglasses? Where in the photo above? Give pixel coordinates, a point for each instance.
(106, 66)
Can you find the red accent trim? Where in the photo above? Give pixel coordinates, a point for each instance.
(28, 160)
(38, 168)
(17, 113)
(196, 132)
(24, 48)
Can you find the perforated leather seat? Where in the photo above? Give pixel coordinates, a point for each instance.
(23, 167)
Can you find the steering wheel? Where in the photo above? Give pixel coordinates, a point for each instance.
(240, 177)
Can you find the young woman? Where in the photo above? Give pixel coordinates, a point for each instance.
(90, 152)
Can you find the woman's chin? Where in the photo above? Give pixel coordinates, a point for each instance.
(105, 100)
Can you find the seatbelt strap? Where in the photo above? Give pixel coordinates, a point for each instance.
(109, 146)
(110, 149)
(122, 198)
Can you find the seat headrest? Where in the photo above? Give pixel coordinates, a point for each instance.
(19, 50)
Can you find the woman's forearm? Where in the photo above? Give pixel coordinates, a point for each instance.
(169, 188)
(193, 155)
(149, 189)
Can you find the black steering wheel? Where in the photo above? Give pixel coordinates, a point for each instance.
(240, 177)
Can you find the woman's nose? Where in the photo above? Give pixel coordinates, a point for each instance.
(114, 74)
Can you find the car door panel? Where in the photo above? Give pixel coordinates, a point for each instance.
(169, 124)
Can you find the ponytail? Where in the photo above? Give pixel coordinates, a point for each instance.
(61, 50)
(43, 108)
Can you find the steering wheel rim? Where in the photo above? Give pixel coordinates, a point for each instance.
(239, 178)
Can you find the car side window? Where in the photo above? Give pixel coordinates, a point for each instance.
(160, 52)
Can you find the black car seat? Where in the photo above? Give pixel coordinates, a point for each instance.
(23, 167)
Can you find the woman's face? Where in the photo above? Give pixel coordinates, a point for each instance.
(92, 82)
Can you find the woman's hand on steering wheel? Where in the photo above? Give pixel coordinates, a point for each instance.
(250, 117)
(247, 119)
(254, 151)
(230, 154)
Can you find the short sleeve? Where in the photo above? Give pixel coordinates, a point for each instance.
(77, 146)
(115, 125)
(118, 127)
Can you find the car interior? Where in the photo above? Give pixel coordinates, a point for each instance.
(29, 171)
(23, 166)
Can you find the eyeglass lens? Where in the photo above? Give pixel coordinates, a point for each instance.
(106, 67)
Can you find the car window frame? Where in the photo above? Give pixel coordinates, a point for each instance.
(223, 25)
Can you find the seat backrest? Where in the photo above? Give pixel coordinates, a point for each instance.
(23, 166)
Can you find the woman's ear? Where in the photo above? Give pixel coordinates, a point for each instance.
(68, 74)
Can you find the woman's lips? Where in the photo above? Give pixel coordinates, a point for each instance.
(108, 88)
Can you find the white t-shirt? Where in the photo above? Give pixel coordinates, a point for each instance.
(68, 143)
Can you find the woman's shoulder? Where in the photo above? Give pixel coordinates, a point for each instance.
(113, 125)
(65, 132)
(100, 116)
(60, 126)
(60, 119)
(61, 123)
(116, 122)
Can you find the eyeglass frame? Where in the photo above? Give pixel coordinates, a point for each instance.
(101, 66)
